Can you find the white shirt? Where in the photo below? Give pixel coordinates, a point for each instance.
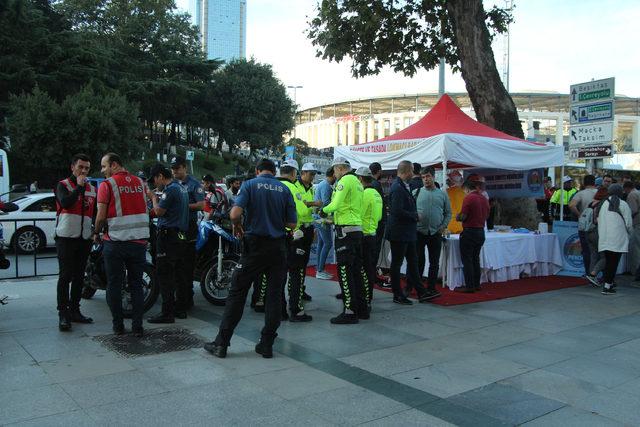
(614, 229)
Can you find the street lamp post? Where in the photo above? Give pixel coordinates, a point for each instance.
(295, 101)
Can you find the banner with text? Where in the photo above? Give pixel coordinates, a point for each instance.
(567, 232)
(506, 184)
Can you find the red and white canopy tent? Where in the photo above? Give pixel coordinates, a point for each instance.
(447, 136)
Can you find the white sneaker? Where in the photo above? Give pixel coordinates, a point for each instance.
(323, 275)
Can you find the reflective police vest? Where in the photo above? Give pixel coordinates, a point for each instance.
(127, 213)
(75, 221)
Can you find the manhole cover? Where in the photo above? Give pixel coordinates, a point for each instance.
(155, 341)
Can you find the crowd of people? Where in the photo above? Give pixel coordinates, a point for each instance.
(608, 225)
(278, 219)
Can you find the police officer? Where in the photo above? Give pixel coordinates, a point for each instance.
(346, 205)
(172, 210)
(371, 215)
(196, 203)
(123, 213)
(305, 186)
(268, 208)
(75, 199)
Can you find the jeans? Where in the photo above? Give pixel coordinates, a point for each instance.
(260, 256)
(72, 260)
(121, 258)
(325, 243)
(471, 241)
(433, 242)
(400, 251)
(612, 260)
(169, 255)
(586, 251)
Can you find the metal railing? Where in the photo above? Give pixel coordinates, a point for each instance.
(11, 243)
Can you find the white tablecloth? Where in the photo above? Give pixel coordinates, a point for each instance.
(505, 256)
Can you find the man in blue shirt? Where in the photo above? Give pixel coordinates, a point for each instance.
(196, 203)
(172, 210)
(268, 209)
(325, 236)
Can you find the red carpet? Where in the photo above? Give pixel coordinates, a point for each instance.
(490, 291)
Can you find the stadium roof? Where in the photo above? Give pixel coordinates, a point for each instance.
(531, 101)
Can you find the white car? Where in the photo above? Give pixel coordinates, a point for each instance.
(36, 231)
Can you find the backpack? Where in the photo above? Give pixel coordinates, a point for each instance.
(585, 222)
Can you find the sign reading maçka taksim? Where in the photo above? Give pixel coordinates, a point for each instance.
(596, 90)
(595, 133)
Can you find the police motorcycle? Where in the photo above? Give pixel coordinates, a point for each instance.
(95, 278)
(217, 255)
(6, 207)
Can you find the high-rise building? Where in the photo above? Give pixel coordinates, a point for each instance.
(223, 27)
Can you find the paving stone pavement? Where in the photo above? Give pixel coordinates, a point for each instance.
(564, 358)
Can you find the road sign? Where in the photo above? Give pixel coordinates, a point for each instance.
(190, 155)
(591, 152)
(596, 90)
(599, 111)
(596, 133)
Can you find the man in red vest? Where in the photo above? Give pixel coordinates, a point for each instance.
(124, 217)
(75, 200)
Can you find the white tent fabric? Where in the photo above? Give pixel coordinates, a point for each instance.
(447, 134)
(467, 150)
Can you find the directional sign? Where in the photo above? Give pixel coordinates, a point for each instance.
(599, 111)
(596, 133)
(597, 90)
(591, 152)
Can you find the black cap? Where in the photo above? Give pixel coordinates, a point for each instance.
(208, 178)
(159, 169)
(177, 161)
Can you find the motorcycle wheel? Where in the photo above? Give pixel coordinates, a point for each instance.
(89, 288)
(150, 291)
(216, 291)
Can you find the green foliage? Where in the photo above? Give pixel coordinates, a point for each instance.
(407, 35)
(302, 148)
(250, 104)
(93, 121)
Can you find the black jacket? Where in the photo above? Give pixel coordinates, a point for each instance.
(403, 215)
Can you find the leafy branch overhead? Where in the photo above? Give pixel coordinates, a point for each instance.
(405, 35)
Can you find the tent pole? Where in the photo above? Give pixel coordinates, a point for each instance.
(562, 193)
(444, 174)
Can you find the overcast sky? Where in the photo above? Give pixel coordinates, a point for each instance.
(553, 44)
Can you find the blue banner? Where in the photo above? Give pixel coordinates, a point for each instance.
(567, 232)
(289, 152)
(506, 184)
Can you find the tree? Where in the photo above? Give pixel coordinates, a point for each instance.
(93, 121)
(250, 104)
(414, 34)
(302, 148)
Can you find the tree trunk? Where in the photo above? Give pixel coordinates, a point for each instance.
(491, 101)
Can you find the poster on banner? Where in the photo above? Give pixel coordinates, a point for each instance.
(567, 232)
(507, 184)
(289, 152)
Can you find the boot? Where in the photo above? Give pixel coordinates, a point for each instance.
(63, 321)
(265, 346)
(78, 317)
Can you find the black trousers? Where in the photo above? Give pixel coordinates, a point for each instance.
(351, 275)
(612, 259)
(471, 241)
(170, 253)
(399, 252)
(260, 255)
(433, 242)
(72, 260)
(185, 268)
(379, 240)
(299, 252)
(369, 261)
